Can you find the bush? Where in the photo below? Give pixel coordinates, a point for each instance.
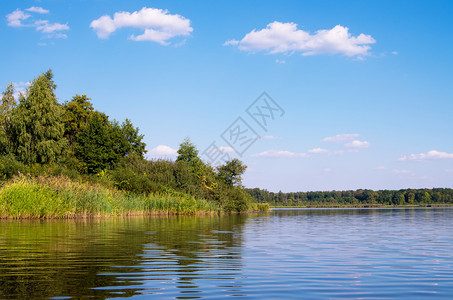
(10, 166)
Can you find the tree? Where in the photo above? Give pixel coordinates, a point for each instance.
(97, 144)
(134, 144)
(76, 115)
(188, 154)
(6, 106)
(36, 125)
(232, 172)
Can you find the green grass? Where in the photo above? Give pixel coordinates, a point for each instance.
(61, 197)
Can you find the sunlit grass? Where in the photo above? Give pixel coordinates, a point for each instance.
(60, 197)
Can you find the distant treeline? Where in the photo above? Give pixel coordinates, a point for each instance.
(357, 198)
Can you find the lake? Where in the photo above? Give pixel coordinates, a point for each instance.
(286, 253)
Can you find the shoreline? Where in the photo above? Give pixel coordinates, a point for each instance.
(366, 206)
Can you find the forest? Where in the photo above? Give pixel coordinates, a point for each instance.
(68, 159)
(358, 198)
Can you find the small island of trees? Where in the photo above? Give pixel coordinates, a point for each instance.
(66, 160)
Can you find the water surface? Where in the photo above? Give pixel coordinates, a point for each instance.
(297, 253)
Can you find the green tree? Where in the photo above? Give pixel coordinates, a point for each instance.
(76, 115)
(134, 143)
(97, 146)
(188, 154)
(36, 125)
(6, 106)
(232, 172)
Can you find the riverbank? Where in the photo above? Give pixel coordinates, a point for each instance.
(60, 197)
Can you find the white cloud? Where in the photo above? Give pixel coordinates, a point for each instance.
(162, 151)
(448, 170)
(226, 149)
(381, 168)
(278, 61)
(46, 27)
(20, 88)
(280, 37)
(231, 43)
(38, 10)
(404, 172)
(159, 26)
(16, 17)
(341, 137)
(280, 154)
(395, 53)
(327, 170)
(358, 144)
(318, 150)
(433, 154)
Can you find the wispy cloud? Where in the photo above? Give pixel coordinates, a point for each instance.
(403, 172)
(318, 150)
(430, 155)
(280, 154)
(280, 37)
(357, 144)
(341, 137)
(159, 26)
(20, 18)
(226, 149)
(37, 9)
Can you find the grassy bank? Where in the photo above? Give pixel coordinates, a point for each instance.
(61, 197)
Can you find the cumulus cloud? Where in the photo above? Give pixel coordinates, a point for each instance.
(20, 18)
(358, 144)
(280, 154)
(159, 26)
(341, 137)
(16, 17)
(162, 151)
(433, 154)
(280, 37)
(37, 9)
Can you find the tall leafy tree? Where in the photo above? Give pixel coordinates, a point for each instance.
(96, 146)
(76, 114)
(6, 106)
(188, 154)
(232, 172)
(36, 124)
(134, 143)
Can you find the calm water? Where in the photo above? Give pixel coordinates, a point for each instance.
(328, 253)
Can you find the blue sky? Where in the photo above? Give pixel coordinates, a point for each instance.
(366, 86)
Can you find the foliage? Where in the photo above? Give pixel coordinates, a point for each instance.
(6, 106)
(44, 196)
(358, 198)
(36, 126)
(232, 172)
(102, 161)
